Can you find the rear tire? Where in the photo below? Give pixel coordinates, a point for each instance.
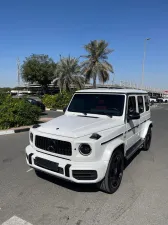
(147, 141)
(114, 173)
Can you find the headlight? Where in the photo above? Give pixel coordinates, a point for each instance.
(31, 136)
(85, 149)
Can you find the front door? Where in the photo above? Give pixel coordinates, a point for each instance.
(132, 126)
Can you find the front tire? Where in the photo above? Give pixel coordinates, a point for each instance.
(114, 173)
(147, 141)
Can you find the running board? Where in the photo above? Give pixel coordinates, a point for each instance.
(134, 148)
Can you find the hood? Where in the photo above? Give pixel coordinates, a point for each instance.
(78, 126)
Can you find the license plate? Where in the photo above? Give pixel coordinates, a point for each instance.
(46, 164)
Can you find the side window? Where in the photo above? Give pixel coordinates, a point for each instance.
(146, 102)
(131, 104)
(140, 104)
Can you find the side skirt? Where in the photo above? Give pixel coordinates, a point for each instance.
(134, 148)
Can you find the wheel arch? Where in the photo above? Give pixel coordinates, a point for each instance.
(147, 125)
(113, 146)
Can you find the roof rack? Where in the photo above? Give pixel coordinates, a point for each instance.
(110, 88)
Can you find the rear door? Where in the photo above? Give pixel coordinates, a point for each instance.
(142, 112)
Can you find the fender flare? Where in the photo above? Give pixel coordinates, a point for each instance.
(110, 147)
(145, 130)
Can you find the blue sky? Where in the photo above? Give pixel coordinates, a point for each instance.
(62, 27)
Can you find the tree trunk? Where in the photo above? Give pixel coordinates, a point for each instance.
(60, 90)
(94, 81)
(45, 89)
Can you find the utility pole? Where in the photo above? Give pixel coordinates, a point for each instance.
(18, 71)
(143, 63)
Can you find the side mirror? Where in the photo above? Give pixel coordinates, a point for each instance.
(64, 109)
(133, 116)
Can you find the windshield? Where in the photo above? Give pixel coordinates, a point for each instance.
(103, 104)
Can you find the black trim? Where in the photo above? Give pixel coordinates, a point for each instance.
(36, 126)
(132, 128)
(144, 121)
(53, 155)
(48, 165)
(135, 146)
(88, 116)
(84, 174)
(67, 174)
(103, 143)
(30, 158)
(137, 125)
(95, 136)
(115, 93)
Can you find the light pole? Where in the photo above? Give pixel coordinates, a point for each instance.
(143, 63)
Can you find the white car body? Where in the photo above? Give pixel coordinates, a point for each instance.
(153, 100)
(164, 100)
(77, 129)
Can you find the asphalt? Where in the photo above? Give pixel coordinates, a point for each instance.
(51, 114)
(142, 198)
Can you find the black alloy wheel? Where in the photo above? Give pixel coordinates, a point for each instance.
(114, 173)
(148, 139)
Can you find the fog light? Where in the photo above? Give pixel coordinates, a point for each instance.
(31, 137)
(85, 149)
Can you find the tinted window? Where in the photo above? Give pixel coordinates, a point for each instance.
(98, 104)
(140, 104)
(146, 102)
(131, 104)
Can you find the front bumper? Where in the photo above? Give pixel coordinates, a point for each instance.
(78, 172)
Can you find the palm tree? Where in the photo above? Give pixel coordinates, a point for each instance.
(96, 64)
(68, 74)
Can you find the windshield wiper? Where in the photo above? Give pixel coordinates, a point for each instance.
(103, 113)
(109, 115)
(84, 113)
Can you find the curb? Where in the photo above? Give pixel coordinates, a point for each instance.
(57, 110)
(21, 129)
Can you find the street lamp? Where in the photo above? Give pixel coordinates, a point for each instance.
(143, 63)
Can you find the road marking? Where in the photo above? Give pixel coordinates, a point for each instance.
(29, 170)
(16, 221)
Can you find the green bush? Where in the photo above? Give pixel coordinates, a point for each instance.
(58, 101)
(49, 101)
(17, 112)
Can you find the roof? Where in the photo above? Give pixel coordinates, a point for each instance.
(106, 90)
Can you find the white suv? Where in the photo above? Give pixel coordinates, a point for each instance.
(100, 130)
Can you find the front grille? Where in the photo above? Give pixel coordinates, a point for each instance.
(54, 146)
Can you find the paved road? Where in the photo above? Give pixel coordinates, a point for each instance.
(141, 200)
(51, 114)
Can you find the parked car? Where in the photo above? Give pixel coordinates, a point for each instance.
(162, 100)
(153, 100)
(37, 103)
(100, 130)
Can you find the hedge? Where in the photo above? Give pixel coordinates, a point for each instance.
(58, 101)
(17, 112)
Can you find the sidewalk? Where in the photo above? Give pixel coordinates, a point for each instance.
(23, 128)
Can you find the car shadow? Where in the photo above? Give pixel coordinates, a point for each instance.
(69, 184)
(128, 161)
(44, 114)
